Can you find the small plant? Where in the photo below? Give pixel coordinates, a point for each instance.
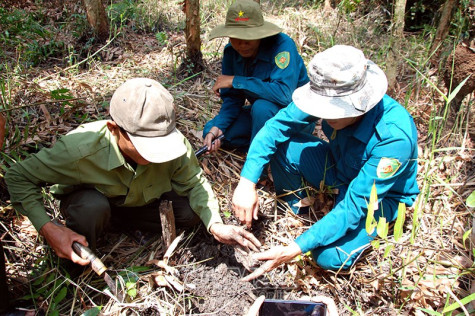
(162, 38)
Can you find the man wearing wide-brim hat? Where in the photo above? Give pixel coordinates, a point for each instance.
(372, 139)
(115, 172)
(261, 68)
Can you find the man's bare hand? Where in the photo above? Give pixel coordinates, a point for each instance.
(232, 235)
(273, 258)
(223, 81)
(213, 133)
(60, 239)
(245, 201)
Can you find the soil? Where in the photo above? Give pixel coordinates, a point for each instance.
(463, 63)
(215, 272)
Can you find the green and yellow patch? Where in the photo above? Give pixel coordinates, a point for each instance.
(282, 60)
(387, 167)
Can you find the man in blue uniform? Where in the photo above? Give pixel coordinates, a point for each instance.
(261, 65)
(372, 140)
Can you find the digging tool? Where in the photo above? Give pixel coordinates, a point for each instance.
(205, 148)
(96, 264)
(98, 267)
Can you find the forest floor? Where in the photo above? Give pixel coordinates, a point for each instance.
(428, 269)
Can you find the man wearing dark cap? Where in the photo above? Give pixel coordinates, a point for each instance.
(116, 172)
(372, 140)
(261, 67)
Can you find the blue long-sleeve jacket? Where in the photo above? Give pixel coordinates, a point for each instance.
(386, 131)
(261, 77)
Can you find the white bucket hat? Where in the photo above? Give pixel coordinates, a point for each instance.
(343, 83)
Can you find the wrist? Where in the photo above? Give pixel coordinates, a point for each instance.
(244, 182)
(293, 249)
(213, 227)
(214, 135)
(46, 228)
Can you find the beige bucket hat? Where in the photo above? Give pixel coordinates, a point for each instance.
(343, 83)
(144, 109)
(244, 21)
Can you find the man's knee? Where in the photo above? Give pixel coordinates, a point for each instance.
(86, 205)
(87, 212)
(262, 111)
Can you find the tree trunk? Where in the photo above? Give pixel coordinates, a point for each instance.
(444, 23)
(193, 62)
(396, 38)
(97, 18)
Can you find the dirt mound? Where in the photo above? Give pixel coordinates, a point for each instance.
(463, 60)
(216, 282)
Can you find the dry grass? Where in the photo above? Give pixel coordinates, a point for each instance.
(429, 268)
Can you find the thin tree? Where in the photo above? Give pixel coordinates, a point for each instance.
(444, 23)
(193, 62)
(97, 18)
(396, 39)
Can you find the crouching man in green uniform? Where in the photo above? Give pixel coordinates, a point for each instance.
(115, 172)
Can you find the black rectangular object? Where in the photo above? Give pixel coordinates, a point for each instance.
(286, 307)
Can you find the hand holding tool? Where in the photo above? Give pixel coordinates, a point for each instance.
(87, 254)
(98, 267)
(205, 148)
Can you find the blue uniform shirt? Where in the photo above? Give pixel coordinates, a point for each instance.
(273, 75)
(361, 153)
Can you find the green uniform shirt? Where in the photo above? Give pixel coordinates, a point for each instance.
(90, 157)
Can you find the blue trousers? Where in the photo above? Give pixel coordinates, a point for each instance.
(308, 157)
(250, 120)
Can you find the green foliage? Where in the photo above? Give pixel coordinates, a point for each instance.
(372, 205)
(145, 15)
(93, 311)
(162, 38)
(348, 6)
(33, 41)
(401, 217)
(131, 288)
(471, 200)
(456, 305)
(48, 284)
(382, 226)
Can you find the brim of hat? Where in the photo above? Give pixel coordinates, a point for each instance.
(341, 107)
(245, 33)
(160, 149)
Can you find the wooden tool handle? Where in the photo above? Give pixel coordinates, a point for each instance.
(87, 254)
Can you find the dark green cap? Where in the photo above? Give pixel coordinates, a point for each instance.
(244, 21)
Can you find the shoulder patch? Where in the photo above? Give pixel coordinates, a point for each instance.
(282, 60)
(387, 167)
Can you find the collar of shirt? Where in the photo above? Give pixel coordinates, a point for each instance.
(364, 130)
